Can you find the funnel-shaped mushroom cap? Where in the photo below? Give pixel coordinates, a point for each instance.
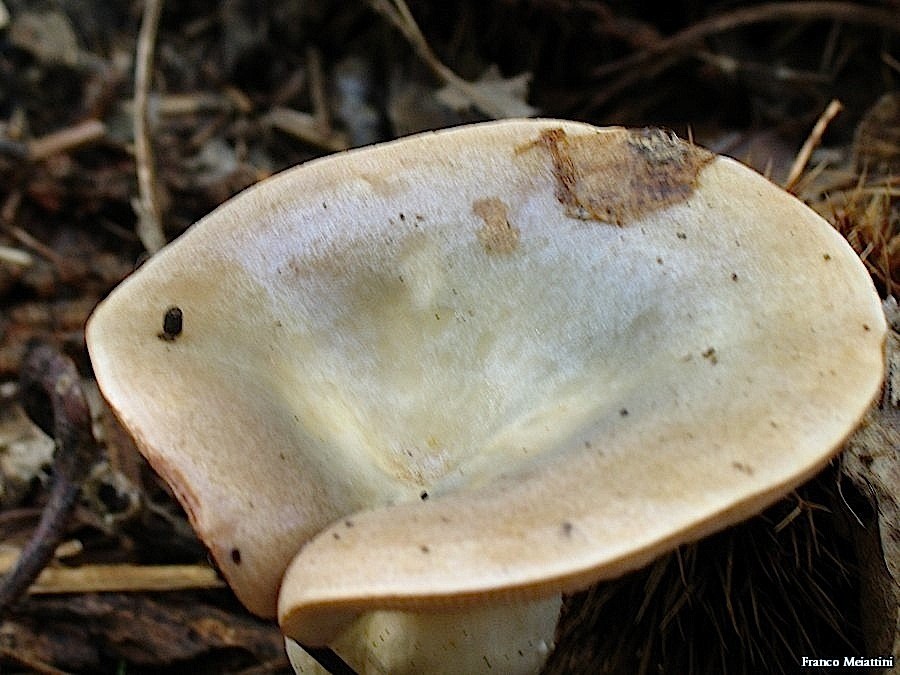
(503, 360)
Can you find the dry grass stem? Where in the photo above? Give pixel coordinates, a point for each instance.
(149, 225)
(31, 664)
(317, 89)
(665, 53)
(15, 256)
(116, 578)
(124, 578)
(60, 262)
(848, 12)
(397, 12)
(305, 127)
(812, 141)
(65, 140)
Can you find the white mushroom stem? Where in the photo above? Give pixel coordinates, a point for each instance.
(513, 637)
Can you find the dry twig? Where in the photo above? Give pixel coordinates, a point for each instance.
(15, 256)
(63, 265)
(124, 578)
(52, 396)
(813, 140)
(66, 139)
(149, 226)
(668, 51)
(397, 12)
(849, 12)
(27, 661)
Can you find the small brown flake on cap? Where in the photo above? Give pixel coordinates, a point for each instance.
(497, 235)
(622, 176)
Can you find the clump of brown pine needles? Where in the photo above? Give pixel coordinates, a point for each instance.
(754, 598)
(862, 200)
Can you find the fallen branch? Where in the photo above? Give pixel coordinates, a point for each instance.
(52, 396)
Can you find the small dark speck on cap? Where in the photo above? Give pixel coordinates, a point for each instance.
(743, 468)
(236, 556)
(173, 323)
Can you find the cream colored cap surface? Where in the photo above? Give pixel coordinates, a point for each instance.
(502, 360)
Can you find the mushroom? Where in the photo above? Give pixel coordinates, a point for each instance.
(413, 393)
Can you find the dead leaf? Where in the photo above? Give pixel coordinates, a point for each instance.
(507, 94)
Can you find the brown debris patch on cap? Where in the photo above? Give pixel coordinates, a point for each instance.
(497, 235)
(620, 177)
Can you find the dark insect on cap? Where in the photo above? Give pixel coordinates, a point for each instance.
(173, 321)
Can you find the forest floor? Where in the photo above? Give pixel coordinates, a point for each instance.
(228, 92)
